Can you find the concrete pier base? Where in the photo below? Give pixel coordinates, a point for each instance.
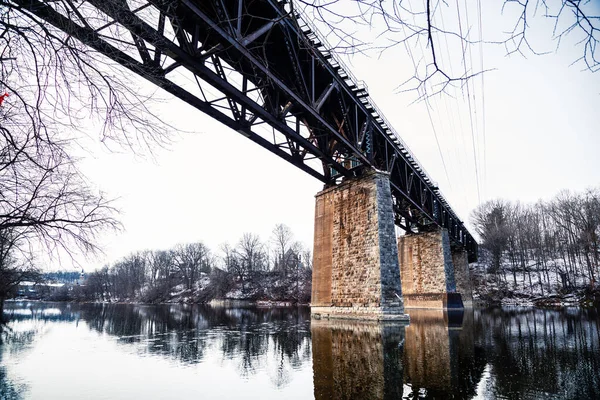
(427, 271)
(355, 265)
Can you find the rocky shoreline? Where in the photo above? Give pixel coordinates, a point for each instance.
(582, 298)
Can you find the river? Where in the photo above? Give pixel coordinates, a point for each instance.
(123, 351)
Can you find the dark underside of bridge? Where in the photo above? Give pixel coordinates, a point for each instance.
(265, 66)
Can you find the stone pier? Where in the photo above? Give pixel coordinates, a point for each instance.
(355, 266)
(427, 271)
(462, 275)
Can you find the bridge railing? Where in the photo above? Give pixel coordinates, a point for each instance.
(322, 45)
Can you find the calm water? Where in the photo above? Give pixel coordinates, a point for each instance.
(95, 351)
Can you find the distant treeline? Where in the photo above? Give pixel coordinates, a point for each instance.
(61, 276)
(280, 269)
(548, 245)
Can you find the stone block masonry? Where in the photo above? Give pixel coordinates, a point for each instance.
(355, 266)
(427, 271)
(463, 276)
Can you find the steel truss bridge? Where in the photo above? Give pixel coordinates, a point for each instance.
(260, 68)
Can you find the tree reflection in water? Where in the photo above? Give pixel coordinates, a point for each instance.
(521, 353)
(511, 353)
(186, 333)
(537, 353)
(13, 342)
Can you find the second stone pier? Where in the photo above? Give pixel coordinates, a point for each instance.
(462, 275)
(427, 271)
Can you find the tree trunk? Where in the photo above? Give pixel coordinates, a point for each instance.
(2, 307)
(589, 265)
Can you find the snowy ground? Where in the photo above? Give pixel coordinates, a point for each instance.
(526, 288)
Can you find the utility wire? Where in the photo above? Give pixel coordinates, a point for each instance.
(450, 115)
(485, 166)
(473, 93)
(469, 104)
(428, 106)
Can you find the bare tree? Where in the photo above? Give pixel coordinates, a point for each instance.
(57, 83)
(13, 270)
(128, 276)
(191, 259)
(252, 257)
(151, 276)
(307, 259)
(160, 276)
(228, 257)
(552, 245)
(491, 224)
(282, 240)
(430, 30)
(153, 269)
(55, 87)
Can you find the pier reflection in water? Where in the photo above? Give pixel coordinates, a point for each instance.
(357, 359)
(432, 357)
(440, 355)
(105, 351)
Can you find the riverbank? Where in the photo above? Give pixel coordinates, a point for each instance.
(260, 289)
(554, 301)
(273, 290)
(551, 302)
(500, 294)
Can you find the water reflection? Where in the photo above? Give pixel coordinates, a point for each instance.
(541, 354)
(273, 342)
(186, 333)
(433, 357)
(353, 360)
(277, 353)
(440, 355)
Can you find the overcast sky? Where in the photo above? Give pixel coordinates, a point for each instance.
(212, 185)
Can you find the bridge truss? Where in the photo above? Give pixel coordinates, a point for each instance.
(260, 68)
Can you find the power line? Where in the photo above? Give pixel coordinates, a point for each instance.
(427, 106)
(469, 103)
(485, 167)
(453, 125)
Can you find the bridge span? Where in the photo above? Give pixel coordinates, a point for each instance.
(260, 63)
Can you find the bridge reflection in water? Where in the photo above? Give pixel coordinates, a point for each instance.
(506, 353)
(439, 354)
(433, 357)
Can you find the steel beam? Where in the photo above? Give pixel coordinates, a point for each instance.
(350, 128)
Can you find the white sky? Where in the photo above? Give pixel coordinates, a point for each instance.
(212, 185)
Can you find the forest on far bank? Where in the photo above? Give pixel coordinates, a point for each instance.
(279, 269)
(534, 251)
(544, 249)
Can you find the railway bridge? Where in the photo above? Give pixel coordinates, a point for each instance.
(259, 63)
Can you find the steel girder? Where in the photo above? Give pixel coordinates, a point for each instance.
(257, 64)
